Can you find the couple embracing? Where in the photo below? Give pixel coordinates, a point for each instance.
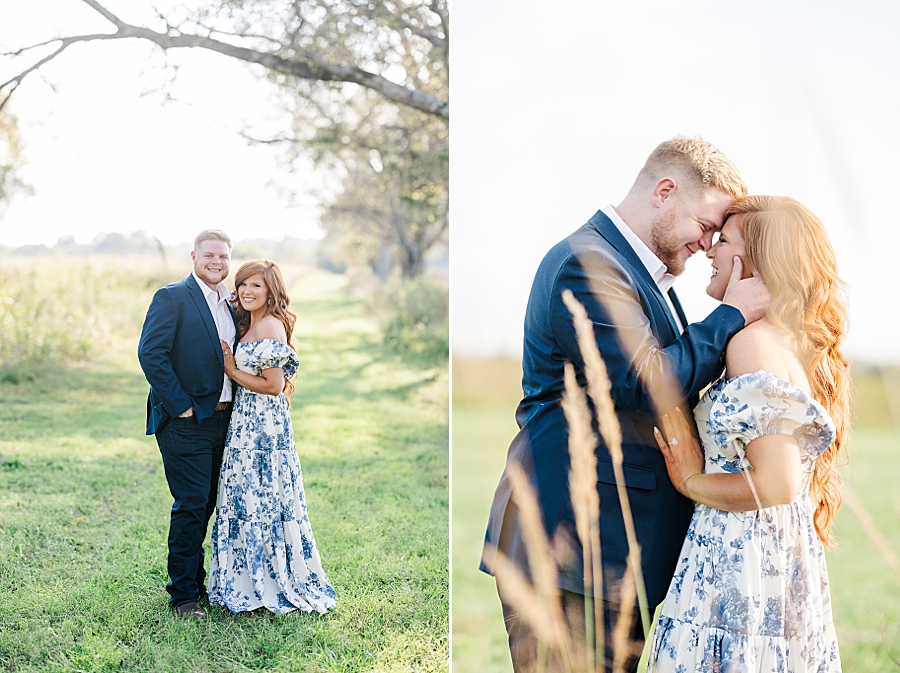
(220, 366)
(733, 504)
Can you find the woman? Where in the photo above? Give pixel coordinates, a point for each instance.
(750, 592)
(263, 552)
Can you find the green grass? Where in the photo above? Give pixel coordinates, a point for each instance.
(864, 591)
(84, 513)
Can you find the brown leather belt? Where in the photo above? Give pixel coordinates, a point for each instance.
(222, 406)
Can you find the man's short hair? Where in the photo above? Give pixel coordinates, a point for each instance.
(212, 235)
(694, 160)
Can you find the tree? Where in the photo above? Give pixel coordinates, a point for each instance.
(392, 206)
(11, 160)
(318, 40)
(366, 83)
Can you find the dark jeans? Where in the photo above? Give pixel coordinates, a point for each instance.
(523, 643)
(192, 457)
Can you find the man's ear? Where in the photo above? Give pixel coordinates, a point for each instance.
(662, 191)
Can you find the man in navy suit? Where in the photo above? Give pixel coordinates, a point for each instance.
(620, 265)
(189, 405)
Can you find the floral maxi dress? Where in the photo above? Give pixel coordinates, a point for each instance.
(263, 552)
(750, 592)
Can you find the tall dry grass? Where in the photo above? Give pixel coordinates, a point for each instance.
(55, 310)
(539, 602)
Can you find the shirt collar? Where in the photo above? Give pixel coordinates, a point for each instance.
(221, 292)
(652, 263)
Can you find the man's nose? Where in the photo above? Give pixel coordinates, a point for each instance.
(705, 241)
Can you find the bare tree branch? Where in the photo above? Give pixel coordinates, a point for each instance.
(438, 8)
(304, 65)
(436, 40)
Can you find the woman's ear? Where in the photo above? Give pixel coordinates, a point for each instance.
(748, 269)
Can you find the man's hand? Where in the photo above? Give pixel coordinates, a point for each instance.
(750, 296)
(187, 414)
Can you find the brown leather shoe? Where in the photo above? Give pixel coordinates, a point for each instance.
(190, 610)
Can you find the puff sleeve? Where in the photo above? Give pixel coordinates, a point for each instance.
(270, 353)
(752, 405)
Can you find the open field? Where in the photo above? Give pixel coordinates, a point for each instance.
(865, 587)
(84, 508)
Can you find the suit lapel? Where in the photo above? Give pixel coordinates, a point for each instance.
(610, 232)
(205, 314)
(233, 311)
(678, 309)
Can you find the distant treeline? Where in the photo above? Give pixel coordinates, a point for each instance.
(287, 250)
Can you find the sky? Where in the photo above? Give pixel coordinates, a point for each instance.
(554, 113)
(112, 148)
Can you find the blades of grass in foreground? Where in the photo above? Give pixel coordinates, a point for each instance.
(599, 390)
(540, 559)
(586, 505)
(527, 600)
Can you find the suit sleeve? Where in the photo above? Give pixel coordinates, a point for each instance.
(646, 378)
(157, 341)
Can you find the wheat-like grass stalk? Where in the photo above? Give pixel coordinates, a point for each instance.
(526, 599)
(748, 476)
(621, 631)
(870, 528)
(540, 560)
(586, 505)
(599, 388)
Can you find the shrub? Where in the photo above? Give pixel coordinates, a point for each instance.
(413, 315)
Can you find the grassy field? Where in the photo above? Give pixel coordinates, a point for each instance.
(865, 583)
(84, 510)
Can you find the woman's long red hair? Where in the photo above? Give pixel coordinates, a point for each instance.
(279, 303)
(790, 249)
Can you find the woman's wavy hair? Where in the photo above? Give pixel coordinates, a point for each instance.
(278, 303)
(790, 249)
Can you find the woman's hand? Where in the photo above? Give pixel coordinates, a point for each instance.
(228, 357)
(683, 454)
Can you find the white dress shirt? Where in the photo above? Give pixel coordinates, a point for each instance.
(653, 264)
(216, 300)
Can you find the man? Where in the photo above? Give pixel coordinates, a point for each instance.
(620, 266)
(189, 405)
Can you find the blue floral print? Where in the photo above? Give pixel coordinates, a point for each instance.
(750, 592)
(263, 551)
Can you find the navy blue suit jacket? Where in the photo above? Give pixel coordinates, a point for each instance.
(180, 354)
(652, 369)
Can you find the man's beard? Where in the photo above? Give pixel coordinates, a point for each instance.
(665, 243)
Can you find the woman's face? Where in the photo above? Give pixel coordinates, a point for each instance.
(253, 292)
(728, 246)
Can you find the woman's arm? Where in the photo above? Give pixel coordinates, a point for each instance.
(775, 479)
(269, 382)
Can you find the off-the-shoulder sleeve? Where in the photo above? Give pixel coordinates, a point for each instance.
(753, 405)
(270, 353)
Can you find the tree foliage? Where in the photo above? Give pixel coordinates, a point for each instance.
(315, 40)
(11, 160)
(391, 204)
